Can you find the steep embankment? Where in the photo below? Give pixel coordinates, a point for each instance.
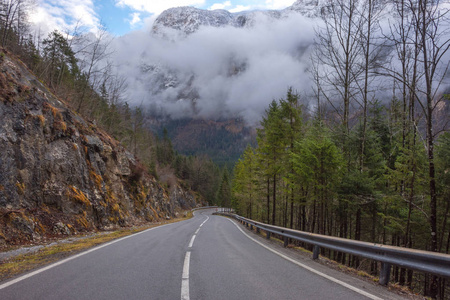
(61, 174)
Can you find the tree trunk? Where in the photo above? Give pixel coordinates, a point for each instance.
(268, 200)
(274, 198)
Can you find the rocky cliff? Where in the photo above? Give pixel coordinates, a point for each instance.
(60, 174)
(187, 20)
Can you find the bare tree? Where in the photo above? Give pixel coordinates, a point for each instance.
(434, 39)
(369, 12)
(95, 52)
(338, 50)
(13, 15)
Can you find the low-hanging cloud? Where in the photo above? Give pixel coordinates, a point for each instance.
(217, 72)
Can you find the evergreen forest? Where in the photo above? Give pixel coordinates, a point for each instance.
(370, 160)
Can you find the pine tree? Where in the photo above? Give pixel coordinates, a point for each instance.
(270, 150)
(224, 192)
(292, 119)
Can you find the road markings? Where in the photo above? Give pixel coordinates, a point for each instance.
(207, 218)
(185, 277)
(355, 289)
(2, 286)
(187, 259)
(192, 241)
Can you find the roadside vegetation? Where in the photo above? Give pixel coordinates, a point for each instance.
(370, 160)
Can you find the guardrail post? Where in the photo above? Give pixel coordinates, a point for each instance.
(268, 235)
(251, 227)
(257, 230)
(286, 242)
(385, 273)
(316, 251)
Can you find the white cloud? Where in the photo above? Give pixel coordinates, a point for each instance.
(156, 6)
(278, 4)
(232, 8)
(64, 15)
(239, 8)
(224, 5)
(135, 19)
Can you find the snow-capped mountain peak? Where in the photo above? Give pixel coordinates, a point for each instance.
(187, 20)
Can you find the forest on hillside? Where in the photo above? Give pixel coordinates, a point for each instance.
(371, 160)
(77, 68)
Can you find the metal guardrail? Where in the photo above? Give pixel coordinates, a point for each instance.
(203, 207)
(419, 260)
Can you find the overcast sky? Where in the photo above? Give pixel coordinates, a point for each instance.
(123, 16)
(226, 71)
(272, 55)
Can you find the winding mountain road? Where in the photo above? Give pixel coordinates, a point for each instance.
(206, 257)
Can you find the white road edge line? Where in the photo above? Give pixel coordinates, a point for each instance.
(355, 289)
(14, 281)
(192, 241)
(185, 277)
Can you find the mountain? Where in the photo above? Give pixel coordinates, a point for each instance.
(200, 67)
(188, 20)
(61, 174)
(221, 140)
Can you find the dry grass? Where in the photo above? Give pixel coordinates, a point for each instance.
(41, 120)
(27, 262)
(97, 179)
(20, 188)
(78, 196)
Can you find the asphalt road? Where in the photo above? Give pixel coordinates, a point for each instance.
(206, 257)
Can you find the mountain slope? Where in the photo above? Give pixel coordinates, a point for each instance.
(61, 174)
(221, 140)
(188, 20)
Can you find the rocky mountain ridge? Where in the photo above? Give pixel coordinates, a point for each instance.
(187, 20)
(61, 174)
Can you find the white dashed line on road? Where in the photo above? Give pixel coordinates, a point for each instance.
(185, 277)
(192, 241)
(187, 259)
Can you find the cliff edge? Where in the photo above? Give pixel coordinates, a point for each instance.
(61, 174)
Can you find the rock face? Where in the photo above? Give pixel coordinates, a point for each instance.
(61, 174)
(187, 20)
